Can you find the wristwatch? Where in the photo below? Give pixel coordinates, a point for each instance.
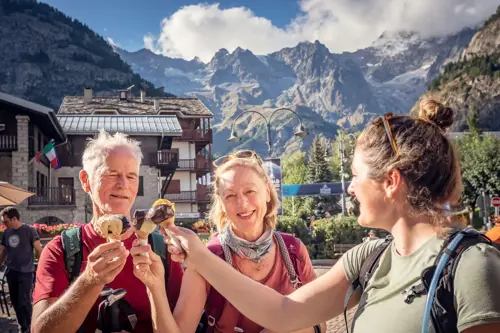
(317, 329)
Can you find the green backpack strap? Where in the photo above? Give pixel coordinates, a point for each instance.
(72, 246)
(158, 246)
(71, 240)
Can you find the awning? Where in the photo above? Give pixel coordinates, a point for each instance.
(166, 125)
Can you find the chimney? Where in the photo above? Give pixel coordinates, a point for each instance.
(156, 105)
(143, 96)
(87, 95)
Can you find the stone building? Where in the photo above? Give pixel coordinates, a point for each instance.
(175, 136)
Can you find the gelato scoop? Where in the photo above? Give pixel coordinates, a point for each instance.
(111, 226)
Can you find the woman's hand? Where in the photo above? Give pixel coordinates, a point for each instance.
(191, 245)
(150, 269)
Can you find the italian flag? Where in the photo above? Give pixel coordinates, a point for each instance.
(51, 155)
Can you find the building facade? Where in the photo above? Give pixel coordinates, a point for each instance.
(176, 141)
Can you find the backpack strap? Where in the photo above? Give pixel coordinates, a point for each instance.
(290, 247)
(443, 313)
(72, 244)
(215, 301)
(72, 249)
(367, 269)
(158, 246)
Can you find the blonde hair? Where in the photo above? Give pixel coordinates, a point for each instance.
(216, 214)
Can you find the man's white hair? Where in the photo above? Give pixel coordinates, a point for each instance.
(97, 150)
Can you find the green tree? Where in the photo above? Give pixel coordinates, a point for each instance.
(294, 170)
(480, 163)
(318, 171)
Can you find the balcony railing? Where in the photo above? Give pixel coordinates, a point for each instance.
(8, 142)
(51, 196)
(171, 159)
(164, 157)
(188, 196)
(196, 135)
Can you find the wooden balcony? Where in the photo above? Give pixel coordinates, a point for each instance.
(8, 142)
(202, 193)
(51, 196)
(183, 196)
(195, 135)
(170, 160)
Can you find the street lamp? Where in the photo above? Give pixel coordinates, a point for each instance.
(299, 131)
(343, 160)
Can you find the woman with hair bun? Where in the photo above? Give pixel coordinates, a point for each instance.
(405, 172)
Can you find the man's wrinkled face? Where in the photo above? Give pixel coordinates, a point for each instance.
(114, 187)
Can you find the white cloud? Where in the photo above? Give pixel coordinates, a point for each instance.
(112, 42)
(342, 25)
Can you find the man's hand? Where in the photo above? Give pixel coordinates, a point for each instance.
(149, 269)
(104, 263)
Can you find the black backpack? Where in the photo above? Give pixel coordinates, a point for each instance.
(73, 256)
(443, 313)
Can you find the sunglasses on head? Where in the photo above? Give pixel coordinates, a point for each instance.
(244, 154)
(385, 120)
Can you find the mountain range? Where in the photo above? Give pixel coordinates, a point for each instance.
(328, 90)
(46, 55)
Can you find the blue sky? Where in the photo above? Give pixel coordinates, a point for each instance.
(127, 21)
(190, 28)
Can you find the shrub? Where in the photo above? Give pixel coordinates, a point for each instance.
(335, 230)
(295, 226)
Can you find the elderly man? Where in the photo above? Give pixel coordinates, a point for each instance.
(110, 176)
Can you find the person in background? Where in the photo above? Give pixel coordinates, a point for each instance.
(18, 242)
(404, 169)
(494, 233)
(244, 209)
(110, 176)
(372, 235)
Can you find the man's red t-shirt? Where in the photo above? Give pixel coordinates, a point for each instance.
(52, 280)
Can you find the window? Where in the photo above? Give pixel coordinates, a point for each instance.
(174, 187)
(40, 147)
(140, 190)
(66, 186)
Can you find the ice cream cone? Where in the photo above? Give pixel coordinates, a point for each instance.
(169, 221)
(111, 226)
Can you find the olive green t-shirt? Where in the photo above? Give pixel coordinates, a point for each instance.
(476, 289)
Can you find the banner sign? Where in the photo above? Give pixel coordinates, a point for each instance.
(273, 169)
(293, 190)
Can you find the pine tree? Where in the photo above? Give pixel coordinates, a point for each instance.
(473, 121)
(318, 170)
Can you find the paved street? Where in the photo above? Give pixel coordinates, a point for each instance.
(336, 325)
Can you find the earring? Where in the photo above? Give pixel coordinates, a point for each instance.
(392, 199)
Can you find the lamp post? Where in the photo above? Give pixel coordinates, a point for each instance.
(300, 131)
(343, 160)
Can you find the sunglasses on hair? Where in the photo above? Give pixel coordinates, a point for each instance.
(385, 120)
(243, 154)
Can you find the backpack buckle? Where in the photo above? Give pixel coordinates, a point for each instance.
(116, 295)
(296, 282)
(211, 321)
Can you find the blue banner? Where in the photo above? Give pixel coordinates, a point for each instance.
(273, 169)
(295, 190)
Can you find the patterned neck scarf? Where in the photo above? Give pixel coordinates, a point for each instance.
(255, 251)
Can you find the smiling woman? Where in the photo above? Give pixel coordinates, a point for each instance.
(244, 208)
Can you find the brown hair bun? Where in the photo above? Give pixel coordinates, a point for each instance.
(432, 111)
